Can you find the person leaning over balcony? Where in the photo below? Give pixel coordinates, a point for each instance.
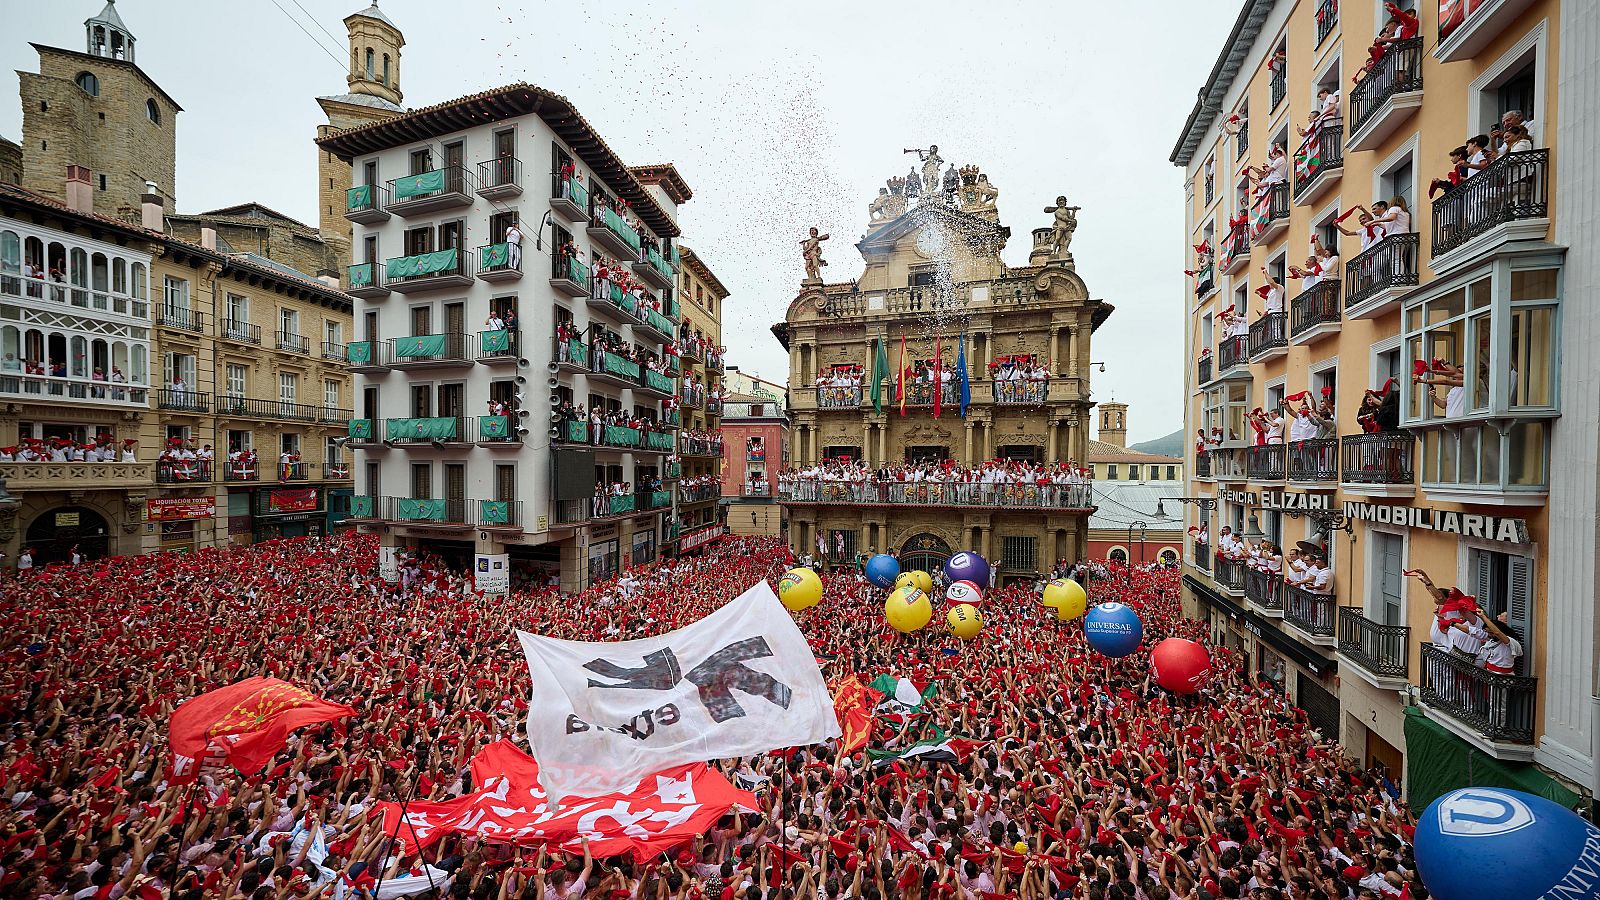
(1466, 636)
(1480, 153)
(1271, 294)
(1392, 216)
(1367, 228)
(1327, 259)
(1501, 648)
(514, 244)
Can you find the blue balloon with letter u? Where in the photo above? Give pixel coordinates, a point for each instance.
(1498, 844)
(1113, 630)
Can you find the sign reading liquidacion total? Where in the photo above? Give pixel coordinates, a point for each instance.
(174, 509)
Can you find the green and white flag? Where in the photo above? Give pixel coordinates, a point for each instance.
(903, 691)
(936, 749)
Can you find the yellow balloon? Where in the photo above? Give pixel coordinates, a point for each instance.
(964, 620)
(1066, 597)
(799, 589)
(921, 580)
(907, 609)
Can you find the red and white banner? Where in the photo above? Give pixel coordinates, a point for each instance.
(173, 509)
(662, 811)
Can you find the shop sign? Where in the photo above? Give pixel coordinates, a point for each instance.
(173, 509)
(68, 520)
(491, 573)
(389, 564)
(1427, 518)
(295, 500)
(1242, 498)
(1295, 502)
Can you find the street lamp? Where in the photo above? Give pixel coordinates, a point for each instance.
(1142, 526)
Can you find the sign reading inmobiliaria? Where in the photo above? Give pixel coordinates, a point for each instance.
(740, 681)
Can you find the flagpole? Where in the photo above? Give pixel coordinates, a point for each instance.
(422, 754)
(183, 831)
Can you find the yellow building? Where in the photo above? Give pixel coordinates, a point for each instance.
(1467, 488)
(933, 273)
(700, 298)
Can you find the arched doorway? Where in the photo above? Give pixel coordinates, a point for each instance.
(1119, 555)
(1169, 556)
(53, 533)
(927, 552)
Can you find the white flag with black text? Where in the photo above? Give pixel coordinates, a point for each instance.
(738, 682)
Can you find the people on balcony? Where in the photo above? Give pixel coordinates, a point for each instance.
(1380, 409)
(1458, 172)
(241, 464)
(874, 482)
(1274, 172)
(1267, 425)
(1308, 569)
(1513, 118)
(102, 448)
(1301, 425)
(1438, 373)
(1323, 111)
(513, 244)
(1401, 25)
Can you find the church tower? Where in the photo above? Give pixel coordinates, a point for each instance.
(1114, 423)
(373, 94)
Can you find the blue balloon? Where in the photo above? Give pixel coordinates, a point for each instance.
(1113, 630)
(882, 570)
(1498, 844)
(967, 566)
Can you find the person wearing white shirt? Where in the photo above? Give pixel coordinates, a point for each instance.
(1391, 216)
(1466, 637)
(514, 245)
(1302, 428)
(1500, 649)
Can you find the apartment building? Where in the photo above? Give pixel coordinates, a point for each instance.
(755, 448)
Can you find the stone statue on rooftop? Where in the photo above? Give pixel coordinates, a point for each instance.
(811, 252)
(1064, 224)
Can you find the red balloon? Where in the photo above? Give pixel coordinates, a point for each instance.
(1181, 666)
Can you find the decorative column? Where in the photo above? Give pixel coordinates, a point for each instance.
(1055, 349)
(866, 444)
(968, 457)
(1072, 353)
(1050, 439)
(883, 442)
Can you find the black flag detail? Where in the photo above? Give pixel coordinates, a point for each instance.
(724, 672)
(659, 672)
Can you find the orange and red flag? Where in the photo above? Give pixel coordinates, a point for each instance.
(852, 703)
(242, 725)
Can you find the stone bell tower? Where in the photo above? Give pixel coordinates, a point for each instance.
(1114, 423)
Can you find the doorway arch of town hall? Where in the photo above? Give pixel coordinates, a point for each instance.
(927, 552)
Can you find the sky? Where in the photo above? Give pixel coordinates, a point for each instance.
(779, 116)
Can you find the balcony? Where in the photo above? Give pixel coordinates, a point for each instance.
(612, 368)
(1327, 19)
(1379, 653)
(1202, 466)
(500, 432)
(611, 231)
(74, 476)
(1202, 371)
(1376, 278)
(1388, 95)
(1312, 614)
(620, 437)
(1506, 201)
(1316, 313)
(1493, 711)
(656, 324)
(570, 355)
(1229, 575)
(500, 515)
(335, 471)
(365, 280)
(279, 410)
(363, 434)
(700, 447)
(429, 192)
(183, 401)
(1377, 464)
(436, 431)
(239, 332)
(1321, 164)
(1235, 252)
(1269, 336)
(755, 489)
(333, 415)
(1464, 35)
(569, 276)
(1018, 393)
(293, 343)
(367, 357)
(700, 493)
(714, 360)
(920, 394)
(334, 351)
(1314, 462)
(848, 397)
(654, 269)
(294, 471)
(1277, 216)
(452, 514)
(243, 470)
(1264, 592)
(430, 351)
(620, 304)
(1280, 87)
(184, 471)
(714, 406)
(569, 198)
(658, 383)
(79, 390)
(364, 204)
(499, 262)
(570, 431)
(35, 290)
(180, 318)
(1200, 556)
(501, 347)
(1233, 354)
(1075, 497)
(500, 179)
(1205, 282)
(1228, 464)
(364, 506)
(690, 351)
(1267, 463)
(429, 271)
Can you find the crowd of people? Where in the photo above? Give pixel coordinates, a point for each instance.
(1081, 779)
(103, 448)
(997, 482)
(700, 441)
(1304, 565)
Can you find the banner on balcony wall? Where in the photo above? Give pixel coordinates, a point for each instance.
(699, 538)
(625, 503)
(495, 341)
(620, 436)
(388, 557)
(176, 509)
(494, 428)
(296, 500)
(658, 440)
(416, 509)
(361, 506)
(494, 512)
(422, 264)
(434, 429)
(358, 352)
(361, 429)
(359, 275)
(1453, 12)
(494, 256)
(359, 197)
(417, 185)
(419, 345)
(491, 573)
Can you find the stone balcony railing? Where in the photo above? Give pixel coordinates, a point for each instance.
(72, 476)
(923, 493)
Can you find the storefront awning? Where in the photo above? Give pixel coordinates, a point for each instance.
(1266, 629)
(1437, 761)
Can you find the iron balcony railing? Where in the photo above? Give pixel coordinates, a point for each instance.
(499, 513)
(240, 469)
(424, 266)
(501, 172)
(180, 317)
(570, 268)
(1380, 649)
(499, 257)
(1269, 332)
(366, 198)
(1263, 589)
(1200, 555)
(1318, 306)
(430, 430)
(454, 511)
(1499, 707)
(1382, 457)
(1314, 460)
(1202, 465)
(570, 189)
(1202, 370)
(1512, 187)
(1399, 71)
(691, 446)
(365, 506)
(1230, 573)
(848, 397)
(333, 415)
(362, 276)
(1390, 263)
(571, 352)
(1266, 462)
(699, 493)
(422, 186)
(335, 350)
(335, 471)
(294, 343)
(367, 354)
(570, 431)
(1309, 611)
(183, 401)
(1210, 186)
(249, 407)
(502, 344)
(1324, 154)
(1241, 141)
(294, 471)
(1280, 86)
(183, 471)
(761, 489)
(1277, 210)
(694, 396)
(1327, 18)
(923, 493)
(1233, 350)
(234, 330)
(1018, 393)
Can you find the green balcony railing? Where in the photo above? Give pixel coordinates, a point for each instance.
(496, 428)
(618, 227)
(612, 364)
(658, 382)
(361, 429)
(658, 440)
(575, 270)
(660, 264)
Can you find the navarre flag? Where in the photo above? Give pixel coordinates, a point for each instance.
(242, 725)
(740, 681)
(852, 703)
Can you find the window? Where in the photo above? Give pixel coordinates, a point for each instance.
(1389, 605)
(89, 83)
(238, 309)
(330, 393)
(386, 68)
(152, 111)
(332, 451)
(175, 296)
(332, 331)
(421, 481)
(1503, 583)
(370, 57)
(1018, 554)
(1400, 181)
(421, 161)
(238, 380)
(240, 441)
(369, 402)
(1133, 472)
(288, 387)
(373, 485)
(102, 181)
(1172, 473)
(1111, 472)
(289, 321)
(369, 249)
(289, 442)
(179, 371)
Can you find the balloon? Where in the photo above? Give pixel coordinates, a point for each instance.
(1181, 666)
(882, 570)
(963, 592)
(967, 566)
(907, 609)
(919, 579)
(964, 620)
(1020, 847)
(1113, 629)
(1066, 597)
(1482, 843)
(799, 589)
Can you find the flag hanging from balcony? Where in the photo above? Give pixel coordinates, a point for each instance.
(880, 371)
(1261, 213)
(938, 376)
(900, 376)
(961, 374)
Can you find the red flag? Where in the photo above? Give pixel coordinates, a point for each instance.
(243, 725)
(900, 384)
(938, 376)
(852, 703)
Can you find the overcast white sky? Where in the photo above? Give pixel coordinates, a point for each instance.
(780, 116)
